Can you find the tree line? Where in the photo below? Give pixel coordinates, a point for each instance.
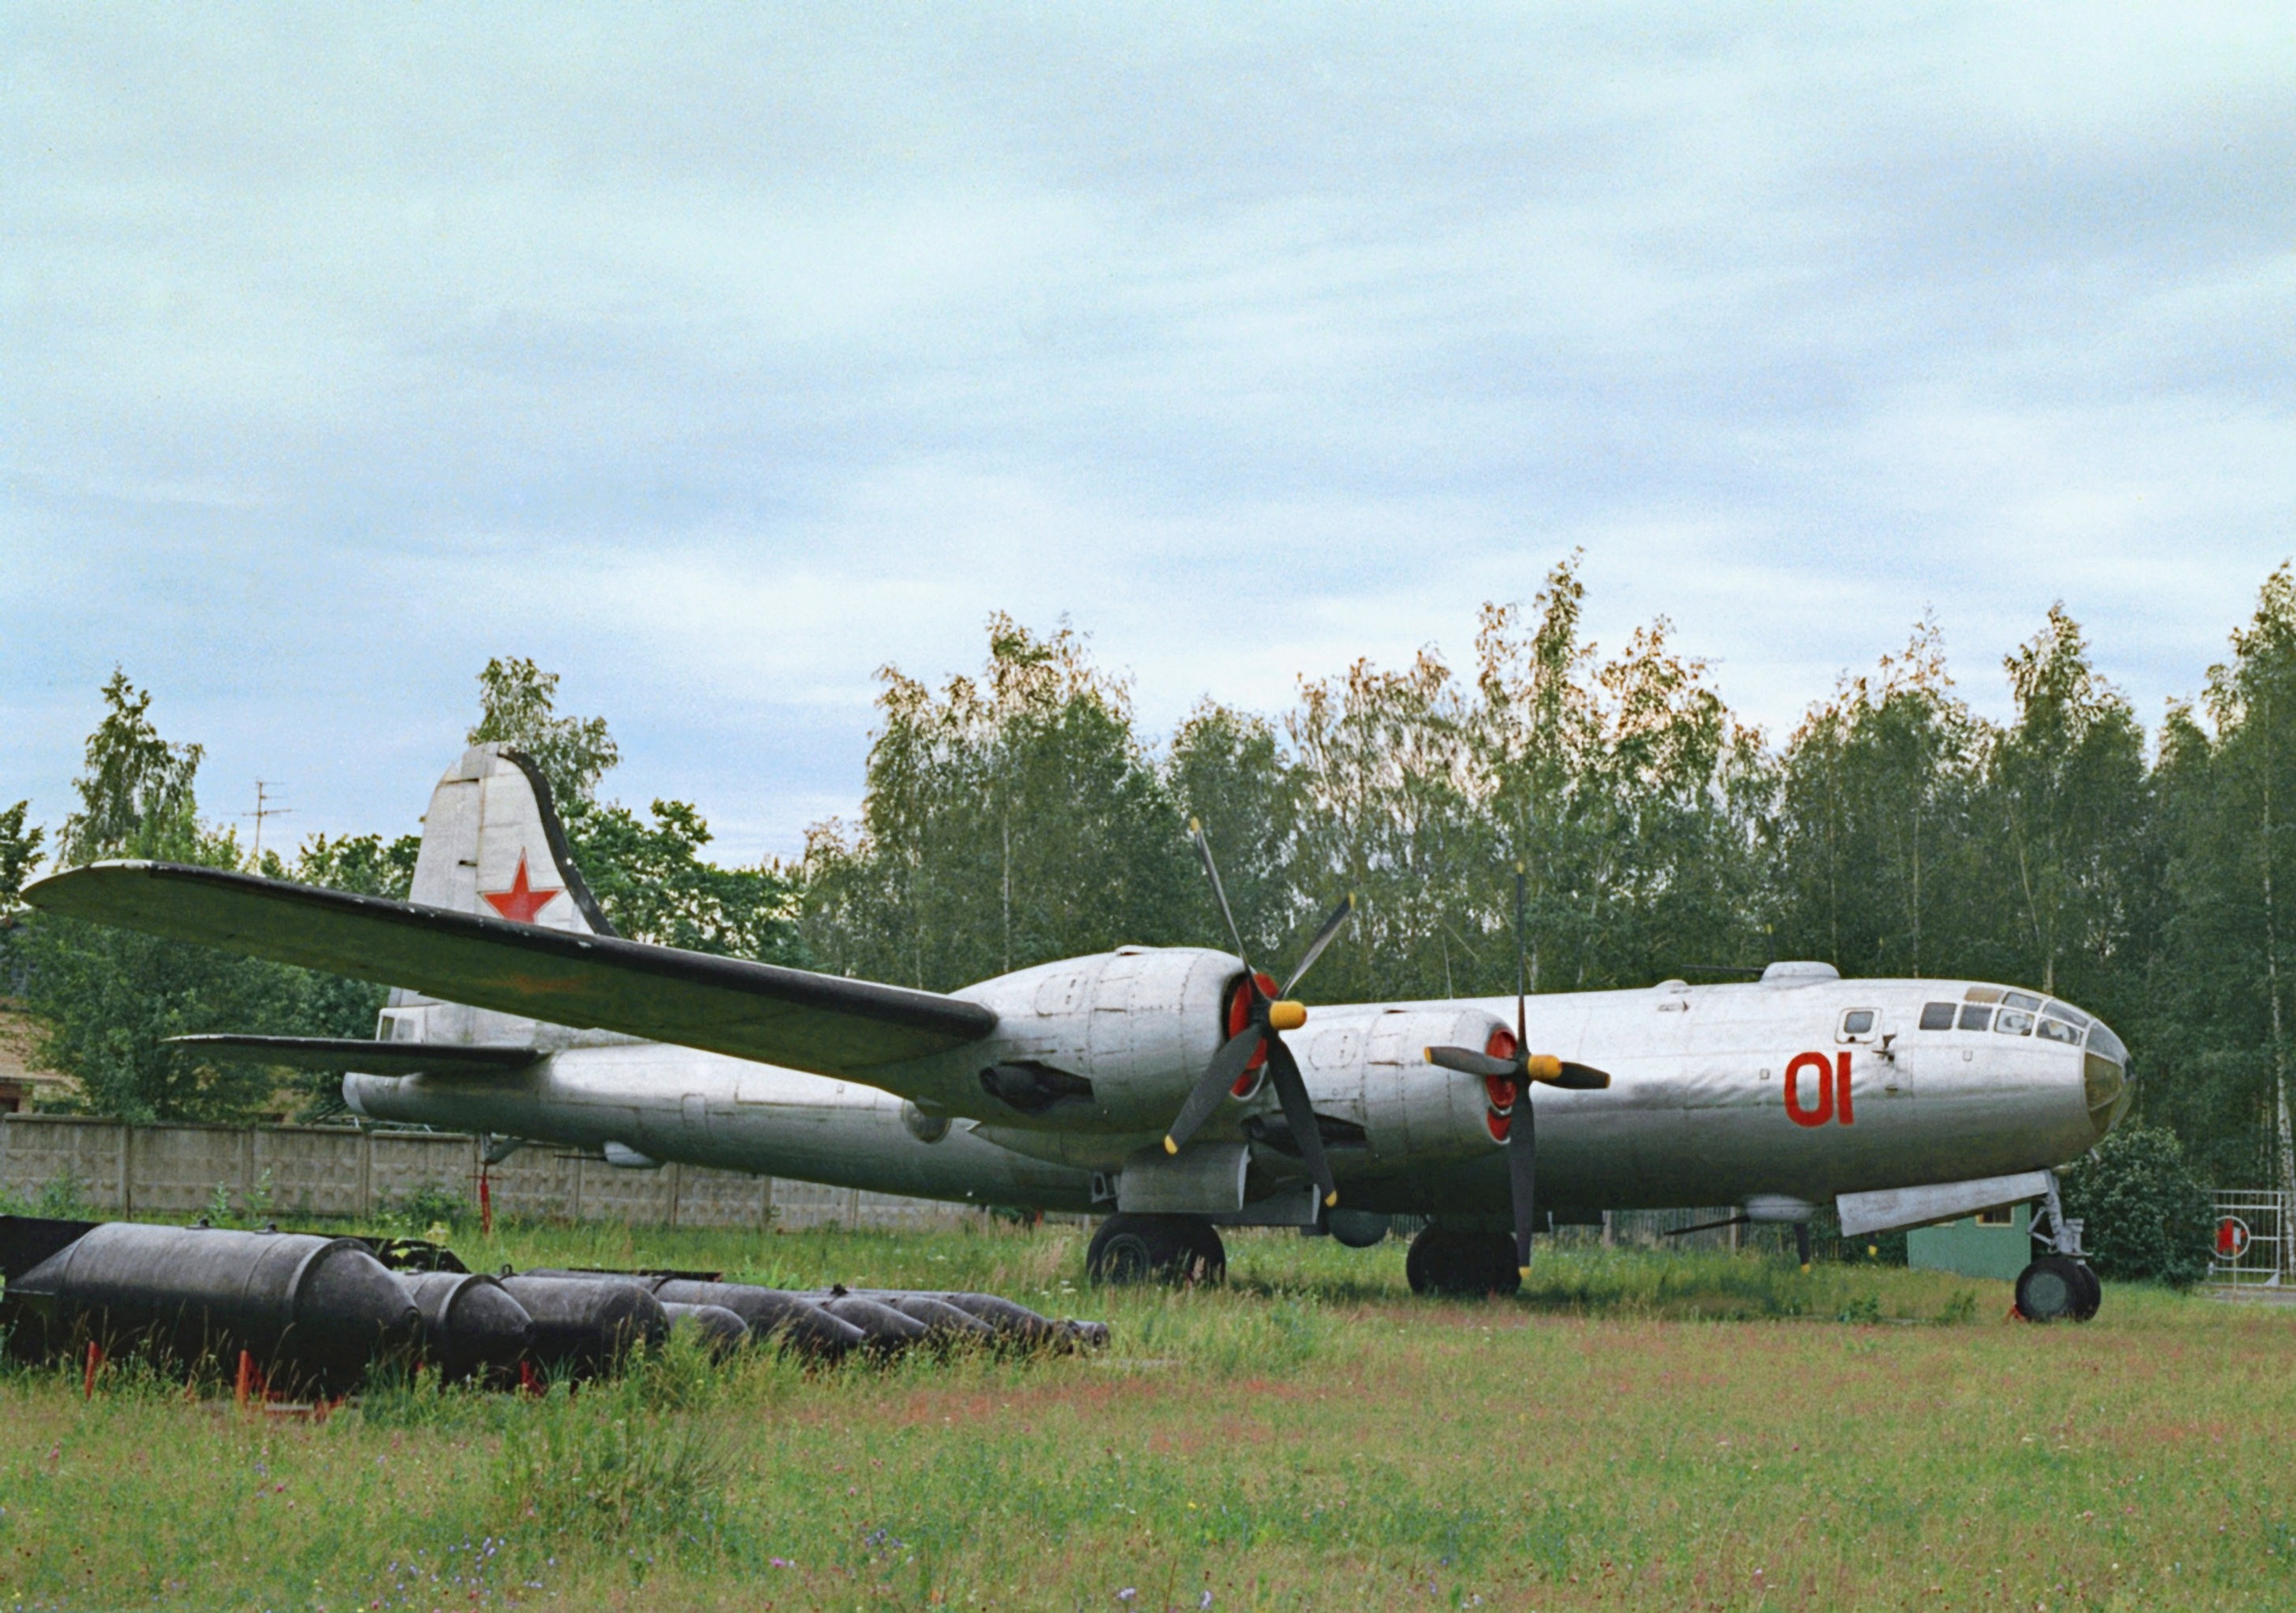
(1021, 814)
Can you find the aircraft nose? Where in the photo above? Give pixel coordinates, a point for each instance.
(2105, 1085)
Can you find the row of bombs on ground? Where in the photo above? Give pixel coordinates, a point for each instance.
(318, 1313)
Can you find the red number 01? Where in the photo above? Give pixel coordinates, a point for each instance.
(1832, 1089)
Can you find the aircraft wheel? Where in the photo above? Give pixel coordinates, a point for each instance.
(2053, 1289)
(2092, 1292)
(1210, 1254)
(1154, 1249)
(1446, 1261)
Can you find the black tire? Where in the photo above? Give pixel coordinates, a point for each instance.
(1130, 1250)
(1448, 1263)
(2092, 1292)
(2051, 1290)
(1210, 1254)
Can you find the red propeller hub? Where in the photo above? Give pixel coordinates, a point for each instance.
(1239, 1015)
(1498, 1092)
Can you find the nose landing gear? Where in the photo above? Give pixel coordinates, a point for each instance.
(2058, 1286)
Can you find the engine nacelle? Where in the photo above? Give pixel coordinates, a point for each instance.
(1108, 1043)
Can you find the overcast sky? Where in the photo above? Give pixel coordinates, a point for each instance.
(714, 357)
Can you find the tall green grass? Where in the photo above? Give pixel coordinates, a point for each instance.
(1695, 1431)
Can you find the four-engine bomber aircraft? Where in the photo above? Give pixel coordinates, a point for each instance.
(1172, 1086)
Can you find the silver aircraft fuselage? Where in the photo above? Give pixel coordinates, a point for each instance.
(1799, 1088)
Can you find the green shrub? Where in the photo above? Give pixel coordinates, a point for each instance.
(2144, 1216)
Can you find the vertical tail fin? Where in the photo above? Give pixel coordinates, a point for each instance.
(492, 845)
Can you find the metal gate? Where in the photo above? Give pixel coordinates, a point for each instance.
(2250, 1240)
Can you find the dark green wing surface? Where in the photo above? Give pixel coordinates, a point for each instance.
(365, 1055)
(790, 1017)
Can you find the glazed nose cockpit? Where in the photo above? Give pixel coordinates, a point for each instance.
(2001, 1011)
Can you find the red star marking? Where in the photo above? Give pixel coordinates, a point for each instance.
(520, 902)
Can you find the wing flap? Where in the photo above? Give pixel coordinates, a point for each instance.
(792, 1016)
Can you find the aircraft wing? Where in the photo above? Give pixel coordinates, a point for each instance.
(821, 1023)
(363, 1054)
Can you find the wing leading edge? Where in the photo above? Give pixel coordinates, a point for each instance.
(792, 1016)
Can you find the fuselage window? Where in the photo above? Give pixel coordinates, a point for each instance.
(1975, 1016)
(2014, 1022)
(2057, 1030)
(1937, 1016)
(1858, 1022)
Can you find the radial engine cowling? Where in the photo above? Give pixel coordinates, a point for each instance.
(1111, 1042)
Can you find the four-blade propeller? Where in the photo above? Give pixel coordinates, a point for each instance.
(1508, 1080)
(1267, 1014)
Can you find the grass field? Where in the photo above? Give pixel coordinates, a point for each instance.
(1705, 1431)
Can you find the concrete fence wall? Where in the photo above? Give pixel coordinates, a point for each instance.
(171, 1170)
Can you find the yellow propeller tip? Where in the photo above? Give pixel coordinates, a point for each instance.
(1523, 1271)
(1330, 1199)
(1195, 825)
(1171, 1147)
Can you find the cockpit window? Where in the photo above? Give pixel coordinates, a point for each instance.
(2068, 1014)
(2020, 999)
(1975, 1016)
(1937, 1016)
(1983, 994)
(2054, 1029)
(2014, 1022)
(2102, 1041)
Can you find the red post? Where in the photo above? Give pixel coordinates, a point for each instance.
(486, 1204)
(95, 1360)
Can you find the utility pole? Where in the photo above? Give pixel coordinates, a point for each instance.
(262, 811)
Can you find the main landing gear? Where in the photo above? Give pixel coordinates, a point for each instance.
(1130, 1249)
(1452, 1262)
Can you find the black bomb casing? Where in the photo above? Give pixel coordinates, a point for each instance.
(313, 1312)
(470, 1325)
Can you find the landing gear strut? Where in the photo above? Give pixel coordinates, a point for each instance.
(2058, 1286)
(1451, 1262)
(1155, 1249)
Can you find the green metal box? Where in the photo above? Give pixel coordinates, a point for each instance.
(1973, 1251)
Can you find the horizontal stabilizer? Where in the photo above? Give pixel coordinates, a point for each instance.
(792, 1016)
(363, 1055)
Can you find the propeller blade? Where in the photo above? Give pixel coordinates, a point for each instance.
(1583, 1078)
(1324, 937)
(1522, 970)
(1299, 1114)
(1211, 872)
(1467, 1062)
(1523, 1172)
(1212, 1085)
